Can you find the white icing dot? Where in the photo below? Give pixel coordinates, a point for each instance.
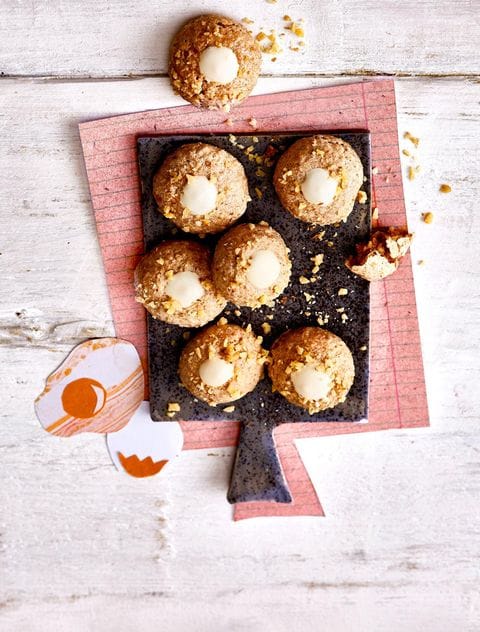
(185, 288)
(264, 269)
(219, 64)
(199, 195)
(215, 372)
(319, 187)
(311, 384)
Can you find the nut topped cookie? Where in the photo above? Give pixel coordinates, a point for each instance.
(214, 62)
(317, 179)
(222, 363)
(173, 282)
(312, 368)
(251, 265)
(201, 188)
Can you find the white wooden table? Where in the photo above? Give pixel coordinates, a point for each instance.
(83, 548)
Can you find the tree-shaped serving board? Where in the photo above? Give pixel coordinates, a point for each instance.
(257, 474)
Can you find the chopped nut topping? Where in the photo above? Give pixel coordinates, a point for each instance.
(445, 188)
(222, 321)
(427, 217)
(361, 197)
(405, 152)
(259, 193)
(319, 235)
(342, 291)
(318, 259)
(229, 409)
(173, 407)
(267, 328)
(303, 280)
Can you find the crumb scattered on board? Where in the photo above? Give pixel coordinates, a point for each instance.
(427, 217)
(445, 188)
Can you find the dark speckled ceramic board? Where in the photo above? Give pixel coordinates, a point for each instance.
(257, 473)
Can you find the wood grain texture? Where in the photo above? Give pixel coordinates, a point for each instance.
(83, 548)
(110, 39)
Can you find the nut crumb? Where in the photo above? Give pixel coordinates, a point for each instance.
(303, 280)
(405, 152)
(375, 171)
(445, 188)
(266, 328)
(252, 122)
(173, 407)
(427, 217)
(412, 139)
(342, 291)
(318, 259)
(247, 21)
(363, 348)
(259, 193)
(319, 235)
(222, 321)
(421, 262)
(411, 173)
(229, 409)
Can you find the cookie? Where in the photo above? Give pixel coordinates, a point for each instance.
(317, 179)
(214, 62)
(201, 188)
(222, 363)
(312, 368)
(381, 255)
(251, 265)
(174, 283)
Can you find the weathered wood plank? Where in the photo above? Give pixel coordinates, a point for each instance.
(343, 36)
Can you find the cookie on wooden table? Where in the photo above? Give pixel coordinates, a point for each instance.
(312, 368)
(222, 363)
(318, 178)
(214, 62)
(174, 283)
(201, 188)
(251, 265)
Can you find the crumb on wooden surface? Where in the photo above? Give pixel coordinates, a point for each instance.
(413, 139)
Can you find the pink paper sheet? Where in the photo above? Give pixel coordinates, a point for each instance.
(397, 386)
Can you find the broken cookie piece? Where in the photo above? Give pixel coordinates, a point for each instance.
(381, 255)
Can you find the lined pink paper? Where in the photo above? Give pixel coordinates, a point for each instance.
(397, 386)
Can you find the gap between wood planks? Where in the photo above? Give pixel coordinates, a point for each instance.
(304, 75)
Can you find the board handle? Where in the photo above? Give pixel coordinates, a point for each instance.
(257, 474)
